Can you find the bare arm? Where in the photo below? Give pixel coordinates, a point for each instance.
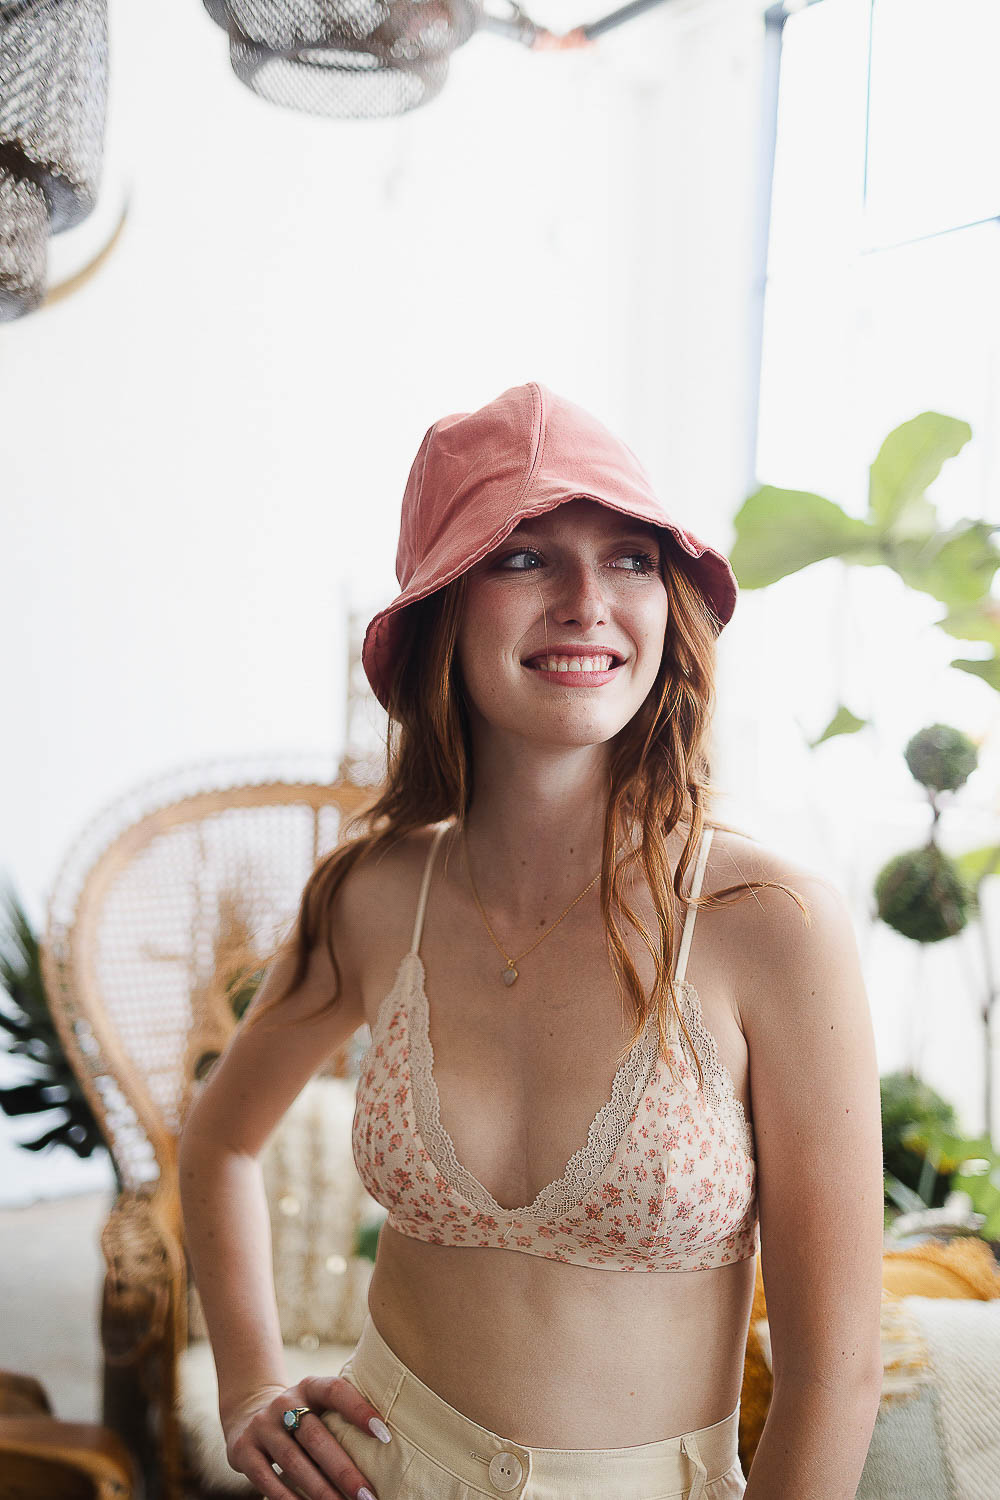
(226, 1221)
(817, 1121)
(229, 1242)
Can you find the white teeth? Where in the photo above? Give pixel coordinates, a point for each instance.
(573, 663)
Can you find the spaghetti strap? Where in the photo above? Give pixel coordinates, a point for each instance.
(686, 935)
(424, 885)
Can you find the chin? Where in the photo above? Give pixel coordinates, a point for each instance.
(560, 729)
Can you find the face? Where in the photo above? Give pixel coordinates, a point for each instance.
(579, 582)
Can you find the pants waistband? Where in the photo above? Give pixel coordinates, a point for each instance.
(497, 1465)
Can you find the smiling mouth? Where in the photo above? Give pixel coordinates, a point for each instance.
(598, 661)
(573, 670)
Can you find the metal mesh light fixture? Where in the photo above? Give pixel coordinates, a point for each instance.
(53, 99)
(366, 59)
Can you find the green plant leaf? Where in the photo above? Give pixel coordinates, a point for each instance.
(979, 621)
(981, 1186)
(905, 1199)
(991, 1229)
(976, 864)
(973, 1165)
(916, 522)
(366, 1240)
(950, 1148)
(988, 670)
(906, 1099)
(955, 566)
(37, 1039)
(908, 461)
(843, 722)
(780, 531)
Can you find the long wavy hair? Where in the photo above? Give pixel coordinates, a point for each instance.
(659, 777)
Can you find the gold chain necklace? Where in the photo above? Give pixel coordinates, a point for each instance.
(509, 974)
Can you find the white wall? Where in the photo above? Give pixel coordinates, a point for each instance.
(202, 453)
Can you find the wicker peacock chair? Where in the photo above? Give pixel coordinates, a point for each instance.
(40, 1455)
(144, 931)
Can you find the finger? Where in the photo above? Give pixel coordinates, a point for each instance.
(324, 1392)
(260, 1474)
(334, 1466)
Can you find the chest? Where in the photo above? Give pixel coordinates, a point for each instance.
(522, 1072)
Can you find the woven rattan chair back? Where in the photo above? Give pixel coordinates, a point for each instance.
(168, 894)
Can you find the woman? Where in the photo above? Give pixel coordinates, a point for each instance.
(528, 1127)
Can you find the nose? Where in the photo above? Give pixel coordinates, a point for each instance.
(580, 597)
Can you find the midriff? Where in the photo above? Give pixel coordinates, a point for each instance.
(547, 1354)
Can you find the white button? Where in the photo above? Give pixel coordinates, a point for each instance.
(505, 1471)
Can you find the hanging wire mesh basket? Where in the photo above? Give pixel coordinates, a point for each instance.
(53, 100)
(353, 59)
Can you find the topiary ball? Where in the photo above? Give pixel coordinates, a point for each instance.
(941, 757)
(922, 895)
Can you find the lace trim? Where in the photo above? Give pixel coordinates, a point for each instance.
(720, 1090)
(385, 1008)
(608, 1127)
(584, 1167)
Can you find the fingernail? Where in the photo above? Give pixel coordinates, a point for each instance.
(381, 1431)
(365, 1494)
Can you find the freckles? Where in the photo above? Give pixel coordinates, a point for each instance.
(505, 633)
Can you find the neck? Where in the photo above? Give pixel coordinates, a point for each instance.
(530, 869)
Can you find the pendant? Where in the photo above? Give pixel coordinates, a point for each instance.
(509, 975)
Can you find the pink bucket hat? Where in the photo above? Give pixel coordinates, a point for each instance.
(477, 474)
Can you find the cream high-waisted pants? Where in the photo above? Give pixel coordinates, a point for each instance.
(436, 1453)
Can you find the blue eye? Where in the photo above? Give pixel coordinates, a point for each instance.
(646, 561)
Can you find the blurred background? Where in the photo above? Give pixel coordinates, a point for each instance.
(756, 241)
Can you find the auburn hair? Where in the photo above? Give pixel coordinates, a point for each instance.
(659, 776)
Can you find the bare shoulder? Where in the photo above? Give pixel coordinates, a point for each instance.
(775, 946)
(736, 857)
(376, 877)
(376, 900)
